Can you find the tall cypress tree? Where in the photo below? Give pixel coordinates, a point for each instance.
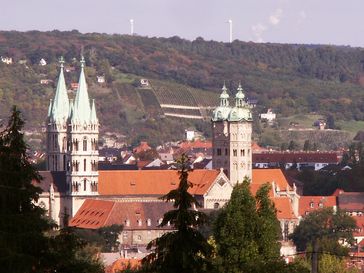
(22, 223)
(184, 250)
(247, 233)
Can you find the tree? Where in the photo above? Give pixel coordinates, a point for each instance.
(28, 241)
(247, 233)
(22, 222)
(322, 230)
(185, 249)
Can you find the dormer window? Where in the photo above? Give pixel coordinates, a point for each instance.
(132, 183)
(149, 222)
(311, 205)
(160, 221)
(139, 222)
(127, 222)
(321, 205)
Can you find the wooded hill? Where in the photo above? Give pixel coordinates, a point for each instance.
(291, 79)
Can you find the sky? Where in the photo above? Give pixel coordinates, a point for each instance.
(338, 22)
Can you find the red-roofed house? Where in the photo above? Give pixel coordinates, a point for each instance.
(312, 203)
(140, 220)
(143, 147)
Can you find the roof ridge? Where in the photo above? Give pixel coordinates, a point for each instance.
(110, 212)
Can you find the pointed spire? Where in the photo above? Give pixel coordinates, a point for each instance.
(50, 108)
(81, 105)
(60, 105)
(93, 117)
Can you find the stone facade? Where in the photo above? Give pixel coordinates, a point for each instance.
(231, 137)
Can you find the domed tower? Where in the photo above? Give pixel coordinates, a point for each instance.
(57, 126)
(231, 137)
(83, 132)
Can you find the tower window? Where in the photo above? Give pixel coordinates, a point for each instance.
(248, 152)
(84, 184)
(242, 152)
(218, 151)
(226, 151)
(84, 165)
(235, 152)
(85, 145)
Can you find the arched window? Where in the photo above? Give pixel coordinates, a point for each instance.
(84, 184)
(139, 222)
(84, 165)
(85, 145)
(216, 205)
(127, 222)
(64, 162)
(235, 152)
(64, 144)
(149, 222)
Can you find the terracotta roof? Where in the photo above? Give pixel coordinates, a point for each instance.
(257, 149)
(95, 214)
(284, 208)
(351, 201)
(197, 144)
(298, 157)
(312, 203)
(262, 176)
(57, 178)
(255, 187)
(152, 182)
(360, 224)
(122, 264)
(143, 146)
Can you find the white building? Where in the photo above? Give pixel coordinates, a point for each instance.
(269, 116)
(6, 60)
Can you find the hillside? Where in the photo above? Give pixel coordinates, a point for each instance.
(291, 79)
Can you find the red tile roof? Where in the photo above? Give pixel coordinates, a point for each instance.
(298, 157)
(143, 146)
(152, 182)
(122, 264)
(351, 201)
(95, 214)
(197, 144)
(312, 203)
(262, 176)
(284, 208)
(360, 224)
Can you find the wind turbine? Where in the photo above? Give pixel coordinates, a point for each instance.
(230, 30)
(131, 26)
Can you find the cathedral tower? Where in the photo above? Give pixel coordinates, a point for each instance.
(231, 137)
(57, 126)
(83, 132)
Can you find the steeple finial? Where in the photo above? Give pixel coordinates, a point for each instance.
(82, 61)
(224, 97)
(61, 62)
(239, 97)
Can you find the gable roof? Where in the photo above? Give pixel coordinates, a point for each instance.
(284, 208)
(262, 176)
(57, 178)
(317, 203)
(94, 214)
(352, 201)
(152, 182)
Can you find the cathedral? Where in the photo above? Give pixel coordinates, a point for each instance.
(77, 193)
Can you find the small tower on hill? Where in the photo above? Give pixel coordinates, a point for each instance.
(83, 132)
(57, 126)
(231, 136)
